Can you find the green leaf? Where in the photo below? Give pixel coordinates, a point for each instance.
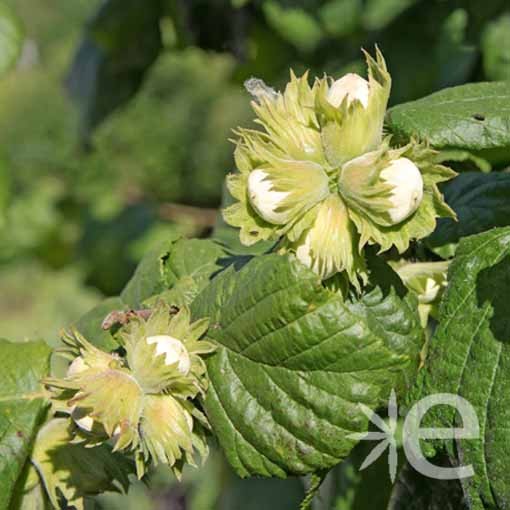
(187, 264)
(22, 404)
(148, 277)
(11, 38)
(470, 356)
(195, 258)
(71, 472)
(89, 325)
(175, 271)
(480, 201)
(293, 362)
(471, 117)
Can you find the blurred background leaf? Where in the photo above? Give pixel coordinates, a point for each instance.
(496, 48)
(110, 63)
(10, 37)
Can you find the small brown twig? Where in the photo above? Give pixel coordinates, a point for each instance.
(122, 317)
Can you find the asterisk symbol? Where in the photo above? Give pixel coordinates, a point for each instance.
(387, 436)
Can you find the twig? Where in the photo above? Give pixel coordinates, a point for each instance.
(121, 317)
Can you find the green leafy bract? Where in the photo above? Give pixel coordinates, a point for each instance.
(423, 221)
